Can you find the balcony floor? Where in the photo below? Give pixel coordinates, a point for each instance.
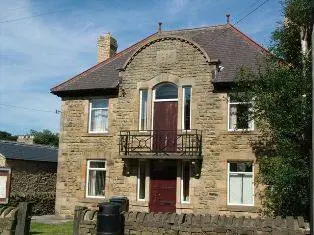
(160, 156)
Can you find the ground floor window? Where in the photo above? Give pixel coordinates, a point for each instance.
(185, 182)
(96, 177)
(141, 180)
(240, 183)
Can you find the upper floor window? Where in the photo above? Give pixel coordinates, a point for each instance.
(186, 119)
(98, 116)
(96, 176)
(240, 116)
(240, 181)
(143, 109)
(166, 91)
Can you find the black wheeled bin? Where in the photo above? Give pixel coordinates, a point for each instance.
(109, 219)
(122, 201)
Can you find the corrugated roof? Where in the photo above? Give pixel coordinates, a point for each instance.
(28, 152)
(223, 42)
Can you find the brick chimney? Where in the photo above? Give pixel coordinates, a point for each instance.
(107, 46)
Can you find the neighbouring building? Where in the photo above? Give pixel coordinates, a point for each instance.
(27, 171)
(155, 123)
(27, 139)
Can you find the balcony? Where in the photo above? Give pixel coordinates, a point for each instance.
(158, 144)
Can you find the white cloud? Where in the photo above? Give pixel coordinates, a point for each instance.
(177, 6)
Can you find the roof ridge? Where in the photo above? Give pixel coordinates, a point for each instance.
(226, 26)
(96, 66)
(29, 145)
(197, 28)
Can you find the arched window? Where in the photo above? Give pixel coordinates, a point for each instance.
(166, 91)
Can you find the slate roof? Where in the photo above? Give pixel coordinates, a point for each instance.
(223, 42)
(28, 152)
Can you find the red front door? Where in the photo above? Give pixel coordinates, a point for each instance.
(165, 126)
(163, 175)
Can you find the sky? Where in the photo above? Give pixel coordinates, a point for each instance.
(43, 43)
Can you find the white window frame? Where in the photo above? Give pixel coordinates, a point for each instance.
(244, 173)
(138, 182)
(251, 122)
(88, 168)
(140, 112)
(90, 116)
(182, 185)
(162, 100)
(183, 108)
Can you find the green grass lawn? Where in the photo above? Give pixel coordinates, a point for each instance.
(53, 229)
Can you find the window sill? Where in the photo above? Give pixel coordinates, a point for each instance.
(139, 203)
(94, 199)
(239, 208)
(98, 135)
(240, 132)
(183, 205)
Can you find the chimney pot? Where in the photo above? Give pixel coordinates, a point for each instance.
(107, 47)
(159, 26)
(228, 18)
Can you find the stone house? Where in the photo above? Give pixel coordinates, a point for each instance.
(27, 170)
(155, 123)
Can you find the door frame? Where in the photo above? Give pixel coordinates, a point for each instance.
(162, 100)
(178, 184)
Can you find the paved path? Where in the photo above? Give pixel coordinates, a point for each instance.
(50, 219)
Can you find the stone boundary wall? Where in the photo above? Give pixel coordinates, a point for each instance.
(8, 219)
(15, 220)
(141, 223)
(85, 221)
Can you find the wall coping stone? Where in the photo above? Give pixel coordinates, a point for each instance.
(172, 223)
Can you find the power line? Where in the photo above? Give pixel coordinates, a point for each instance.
(250, 6)
(38, 15)
(23, 7)
(241, 19)
(33, 109)
(255, 9)
(32, 16)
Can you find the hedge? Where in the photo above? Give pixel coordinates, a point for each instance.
(42, 203)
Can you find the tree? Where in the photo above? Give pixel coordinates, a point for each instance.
(292, 39)
(282, 95)
(7, 136)
(45, 137)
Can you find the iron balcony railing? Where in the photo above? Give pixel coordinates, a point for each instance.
(184, 143)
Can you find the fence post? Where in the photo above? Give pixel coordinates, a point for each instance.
(23, 218)
(77, 219)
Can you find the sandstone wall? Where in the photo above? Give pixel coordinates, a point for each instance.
(76, 147)
(164, 60)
